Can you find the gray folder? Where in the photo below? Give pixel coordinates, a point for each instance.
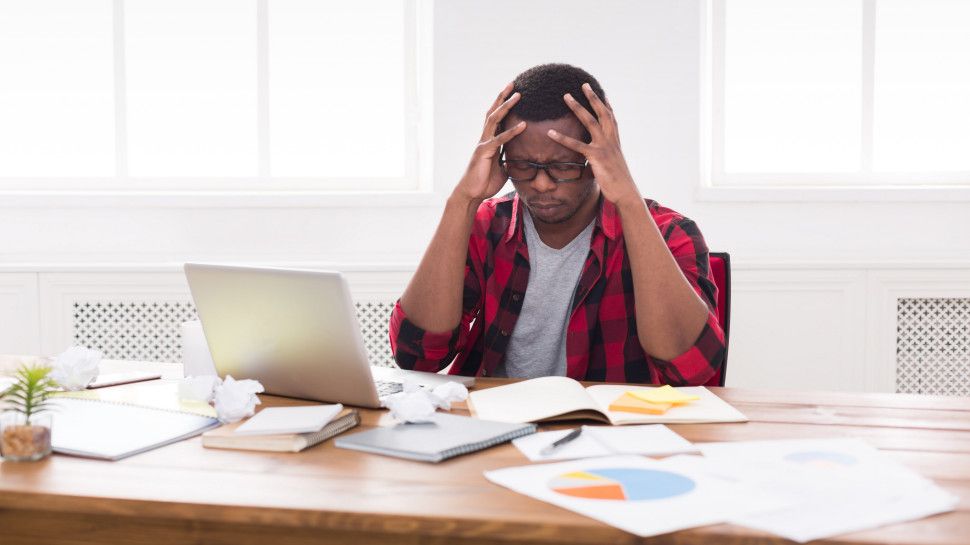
(446, 435)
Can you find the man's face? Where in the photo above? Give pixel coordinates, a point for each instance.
(547, 200)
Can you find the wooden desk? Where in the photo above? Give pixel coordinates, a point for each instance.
(184, 493)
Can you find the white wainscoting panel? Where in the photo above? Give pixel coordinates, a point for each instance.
(797, 329)
(933, 346)
(886, 289)
(19, 317)
(59, 292)
(829, 326)
(132, 330)
(135, 314)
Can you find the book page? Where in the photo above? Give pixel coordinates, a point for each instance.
(709, 408)
(281, 420)
(533, 400)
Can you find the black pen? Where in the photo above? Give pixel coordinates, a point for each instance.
(549, 449)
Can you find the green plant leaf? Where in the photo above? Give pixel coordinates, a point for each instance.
(31, 388)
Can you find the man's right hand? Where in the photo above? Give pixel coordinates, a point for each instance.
(484, 177)
(434, 299)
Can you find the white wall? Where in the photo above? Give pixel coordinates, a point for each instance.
(647, 55)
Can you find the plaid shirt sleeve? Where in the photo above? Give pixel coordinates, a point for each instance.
(702, 360)
(421, 350)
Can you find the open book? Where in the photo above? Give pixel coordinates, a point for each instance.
(562, 398)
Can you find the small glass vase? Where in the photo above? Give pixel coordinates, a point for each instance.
(21, 441)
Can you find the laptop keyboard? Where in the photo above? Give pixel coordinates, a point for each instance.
(386, 387)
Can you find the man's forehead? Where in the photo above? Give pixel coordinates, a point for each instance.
(568, 124)
(534, 143)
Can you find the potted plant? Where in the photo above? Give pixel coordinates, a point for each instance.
(25, 427)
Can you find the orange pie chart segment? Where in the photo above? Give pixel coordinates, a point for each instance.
(605, 492)
(581, 484)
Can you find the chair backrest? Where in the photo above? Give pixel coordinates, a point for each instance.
(721, 274)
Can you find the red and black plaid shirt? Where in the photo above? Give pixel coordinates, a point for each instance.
(601, 336)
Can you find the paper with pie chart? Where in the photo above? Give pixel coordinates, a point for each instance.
(640, 495)
(836, 485)
(835, 463)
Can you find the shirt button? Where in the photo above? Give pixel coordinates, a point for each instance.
(516, 297)
(505, 332)
(484, 373)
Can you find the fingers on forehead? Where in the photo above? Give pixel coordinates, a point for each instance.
(584, 115)
(567, 141)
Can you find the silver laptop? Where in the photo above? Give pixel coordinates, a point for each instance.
(295, 331)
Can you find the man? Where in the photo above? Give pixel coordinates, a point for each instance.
(575, 274)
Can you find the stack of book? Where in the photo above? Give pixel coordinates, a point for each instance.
(287, 434)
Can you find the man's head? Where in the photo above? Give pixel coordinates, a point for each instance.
(542, 107)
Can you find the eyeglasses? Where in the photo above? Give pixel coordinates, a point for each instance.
(520, 170)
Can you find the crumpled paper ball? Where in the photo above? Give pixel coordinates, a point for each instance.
(236, 399)
(448, 393)
(416, 404)
(75, 368)
(199, 388)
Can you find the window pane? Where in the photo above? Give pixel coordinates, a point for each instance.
(337, 89)
(792, 86)
(56, 88)
(922, 86)
(191, 73)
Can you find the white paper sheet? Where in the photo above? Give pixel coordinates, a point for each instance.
(584, 446)
(815, 464)
(650, 440)
(642, 496)
(825, 517)
(836, 485)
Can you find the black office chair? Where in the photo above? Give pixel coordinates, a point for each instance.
(721, 274)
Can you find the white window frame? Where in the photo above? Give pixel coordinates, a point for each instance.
(718, 185)
(262, 190)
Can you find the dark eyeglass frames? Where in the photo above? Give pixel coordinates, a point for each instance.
(521, 170)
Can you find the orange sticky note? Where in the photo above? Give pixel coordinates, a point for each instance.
(663, 394)
(630, 404)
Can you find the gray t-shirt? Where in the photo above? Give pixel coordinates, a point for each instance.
(537, 347)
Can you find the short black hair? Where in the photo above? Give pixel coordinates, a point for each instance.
(542, 88)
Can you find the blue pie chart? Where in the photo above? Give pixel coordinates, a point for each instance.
(624, 484)
(821, 459)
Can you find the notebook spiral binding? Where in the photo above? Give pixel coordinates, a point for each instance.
(482, 445)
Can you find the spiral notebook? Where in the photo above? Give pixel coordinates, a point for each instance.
(444, 436)
(111, 431)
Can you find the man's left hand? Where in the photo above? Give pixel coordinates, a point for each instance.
(603, 151)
